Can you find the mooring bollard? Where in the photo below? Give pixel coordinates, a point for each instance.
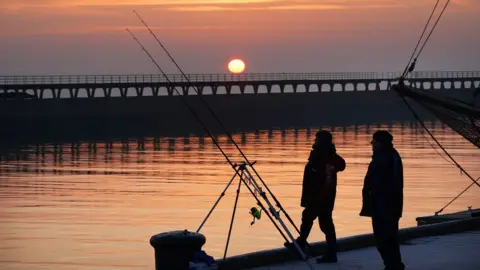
(174, 250)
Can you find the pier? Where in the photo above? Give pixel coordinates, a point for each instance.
(108, 86)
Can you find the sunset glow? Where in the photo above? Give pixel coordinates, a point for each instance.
(275, 35)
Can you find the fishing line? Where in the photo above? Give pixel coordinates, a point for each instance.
(220, 123)
(237, 172)
(260, 191)
(183, 99)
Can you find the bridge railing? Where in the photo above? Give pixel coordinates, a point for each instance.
(226, 77)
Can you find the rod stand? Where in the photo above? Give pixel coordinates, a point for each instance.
(257, 192)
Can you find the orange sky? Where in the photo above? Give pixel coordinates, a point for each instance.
(89, 37)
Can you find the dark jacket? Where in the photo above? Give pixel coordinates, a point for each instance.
(316, 190)
(383, 185)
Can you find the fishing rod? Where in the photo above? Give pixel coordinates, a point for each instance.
(183, 99)
(257, 188)
(277, 202)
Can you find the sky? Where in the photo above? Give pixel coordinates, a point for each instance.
(56, 37)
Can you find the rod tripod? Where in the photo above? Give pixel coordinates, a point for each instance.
(256, 190)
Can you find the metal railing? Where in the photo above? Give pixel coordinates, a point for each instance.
(227, 77)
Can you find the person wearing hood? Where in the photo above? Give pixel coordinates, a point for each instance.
(319, 191)
(382, 196)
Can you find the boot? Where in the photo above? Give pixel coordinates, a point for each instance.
(328, 258)
(302, 243)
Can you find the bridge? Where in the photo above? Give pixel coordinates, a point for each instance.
(125, 86)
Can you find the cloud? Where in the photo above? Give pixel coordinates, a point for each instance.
(36, 17)
(290, 5)
(14, 5)
(211, 5)
(202, 8)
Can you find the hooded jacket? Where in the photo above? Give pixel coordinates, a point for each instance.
(382, 192)
(318, 190)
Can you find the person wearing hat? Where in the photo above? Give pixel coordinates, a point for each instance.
(382, 196)
(319, 192)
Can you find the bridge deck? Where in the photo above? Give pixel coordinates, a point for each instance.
(227, 77)
(124, 86)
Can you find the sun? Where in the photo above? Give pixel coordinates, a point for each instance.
(236, 66)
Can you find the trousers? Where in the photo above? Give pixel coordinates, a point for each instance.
(385, 230)
(325, 220)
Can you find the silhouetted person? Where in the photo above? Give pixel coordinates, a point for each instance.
(383, 198)
(319, 191)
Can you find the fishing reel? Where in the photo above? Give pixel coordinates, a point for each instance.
(256, 214)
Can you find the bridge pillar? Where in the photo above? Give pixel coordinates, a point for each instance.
(255, 89)
(200, 90)
(90, 92)
(107, 92)
(269, 88)
(242, 88)
(123, 92)
(441, 85)
(140, 91)
(155, 90)
(170, 90)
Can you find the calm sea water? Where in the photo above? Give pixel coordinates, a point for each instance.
(95, 206)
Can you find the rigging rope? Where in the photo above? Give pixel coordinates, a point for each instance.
(412, 66)
(438, 143)
(434, 26)
(401, 83)
(426, 139)
(458, 196)
(420, 39)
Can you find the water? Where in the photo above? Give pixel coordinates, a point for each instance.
(96, 206)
